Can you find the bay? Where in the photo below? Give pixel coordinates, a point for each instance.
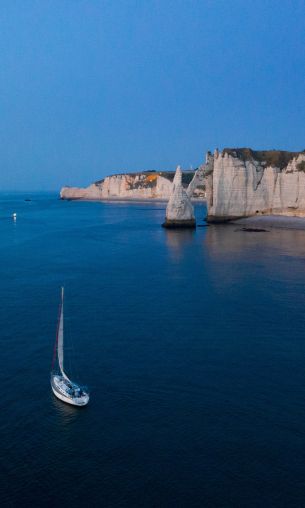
(192, 344)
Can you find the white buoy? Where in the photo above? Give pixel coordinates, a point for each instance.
(14, 216)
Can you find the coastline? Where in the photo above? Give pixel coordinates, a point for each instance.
(260, 221)
(129, 199)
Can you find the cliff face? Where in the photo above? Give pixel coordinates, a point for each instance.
(149, 184)
(243, 183)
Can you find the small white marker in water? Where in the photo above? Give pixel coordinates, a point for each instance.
(14, 216)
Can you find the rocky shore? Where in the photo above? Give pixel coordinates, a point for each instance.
(272, 221)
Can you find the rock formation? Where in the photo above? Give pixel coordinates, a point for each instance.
(197, 184)
(179, 210)
(243, 182)
(145, 185)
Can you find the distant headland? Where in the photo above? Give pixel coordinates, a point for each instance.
(140, 185)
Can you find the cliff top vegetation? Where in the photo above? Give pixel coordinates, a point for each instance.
(278, 158)
(151, 176)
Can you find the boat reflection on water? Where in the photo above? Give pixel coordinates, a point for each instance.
(65, 412)
(177, 240)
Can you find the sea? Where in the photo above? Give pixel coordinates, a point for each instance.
(192, 344)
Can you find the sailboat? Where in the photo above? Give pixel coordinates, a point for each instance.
(62, 386)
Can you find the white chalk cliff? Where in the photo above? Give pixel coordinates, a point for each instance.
(243, 183)
(179, 210)
(145, 185)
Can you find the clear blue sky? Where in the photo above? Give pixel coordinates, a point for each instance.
(93, 87)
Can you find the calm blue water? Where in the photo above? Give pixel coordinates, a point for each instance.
(193, 346)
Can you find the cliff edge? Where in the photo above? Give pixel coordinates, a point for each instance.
(241, 182)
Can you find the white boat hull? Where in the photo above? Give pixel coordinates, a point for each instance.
(73, 401)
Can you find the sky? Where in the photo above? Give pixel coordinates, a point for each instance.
(89, 88)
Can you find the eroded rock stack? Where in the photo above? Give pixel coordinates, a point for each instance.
(179, 210)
